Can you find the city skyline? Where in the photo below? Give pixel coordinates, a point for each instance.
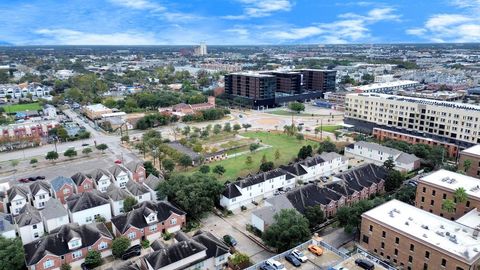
(237, 22)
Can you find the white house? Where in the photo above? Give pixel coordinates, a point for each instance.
(102, 179)
(139, 191)
(378, 154)
(152, 183)
(41, 192)
(54, 215)
(18, 197)
(7, 229)
(325, 164)
(116, 196)
(49, 111)
(29, 224)
(120, 174)
(255, 188)
(84, 208)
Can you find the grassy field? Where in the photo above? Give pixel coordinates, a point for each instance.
(22, 107)
(289, 113)
(330, 128)
(236, 167)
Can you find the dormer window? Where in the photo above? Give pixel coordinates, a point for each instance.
(74, 243)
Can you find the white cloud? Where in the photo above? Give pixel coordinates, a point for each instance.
(138, 4)
(260, 8)
(72, 37)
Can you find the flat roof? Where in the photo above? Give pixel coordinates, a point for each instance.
(474, 150)
(470, 219)
(385, 84)
(97, 107)
(448, 236)
(452, 180)
(252, 74)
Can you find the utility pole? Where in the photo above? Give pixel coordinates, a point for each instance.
(321, 129)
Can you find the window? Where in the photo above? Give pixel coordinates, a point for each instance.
(86, 186)
(102, 245)
(365, 239)
(77, 254)
(444, 196)
(427, 254)
(88, 219)
(432, 202)
(173, 221)
(433, 192)
(132, 235)
(410, 259)
(370, 228)
(41, 197)
(66, 191)
(383, 245)
(34, 226)
(444, 262)
(48, 264)
(423, 199)
(412, 247)
(384, 234)
(424, 189)
(467, 204)
(36, 235)
(153, 228)
(396, 252)
(75, 243)
(397, 240)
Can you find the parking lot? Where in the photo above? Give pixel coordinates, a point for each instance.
(315, 262)
(350, 264)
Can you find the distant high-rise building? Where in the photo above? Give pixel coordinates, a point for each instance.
(201, 50)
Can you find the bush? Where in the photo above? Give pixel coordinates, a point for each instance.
(119, 246)
(145, 243)
(93, 258)
(243, 208)
(33, 161)
(65, 266)
(167, 236)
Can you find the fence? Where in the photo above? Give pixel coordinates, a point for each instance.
(371, 257)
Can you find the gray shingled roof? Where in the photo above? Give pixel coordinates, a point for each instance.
(278, 203)
(6, 222)
(53, 209)
(136, 188)
(184, 150)
(98, 173)
(133, 165)
(116, 169)
(86, 200)
(39, 185)
(117, 194)
(152, 181)
(29, 215)
(18, 190)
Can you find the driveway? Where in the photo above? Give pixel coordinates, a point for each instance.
(220, 227)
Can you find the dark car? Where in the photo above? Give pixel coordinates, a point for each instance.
(23, 180)
(294, 261)
(365, 264)
(32, 179)
(132, 252)
(84, 266)
(229, 240)
(266, 266)
(85, 144)
(40, 177)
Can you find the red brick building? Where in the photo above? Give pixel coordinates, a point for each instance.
(83, 182)
(63, 187)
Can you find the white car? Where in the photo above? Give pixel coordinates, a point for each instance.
(275, 264)
(299, 255)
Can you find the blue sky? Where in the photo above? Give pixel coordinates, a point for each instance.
(232, 22)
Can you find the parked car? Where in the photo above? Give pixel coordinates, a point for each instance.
(315, 250)
(32, 179)
(23, 180)
(299, 255)
(85, 144)
(40, 177)
(118, 161)
(365, 264)
(275, 264)
(293, 260)
(132, 252)
(266, 266)
(84, 266)
(229, 240)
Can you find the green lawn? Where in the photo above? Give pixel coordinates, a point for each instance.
(236, 167)
(331, 128)
(22, 107)
(289, 113)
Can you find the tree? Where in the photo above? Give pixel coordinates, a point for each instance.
(288, 230)
(217, 129)
(33, 161)
(125, 138)
(254, 146)
(277, 154)
(219, 169)
(315, 215)
(240, 259)
(227, 127)
(93, 258)
(102, 147)
(86, 151)
(180, 189)
(248, 160)
(62, 133)
(264, 159)
(406, 194)
(460, 195)
(168, 164)
(305, 151)
(237, 127)
(197, 148)
(12, 256)
(186, 130)
(185, 161)
(52, 155)
(129, 203)
(120, 245)
(296, 107)
(394, 180)
(204, 169)
(449, 205)
(327, 146)
(246, 126)
(149, 169)
(350, 218)
(389, 164)
(267, 166)
(65, 266)
(467, 163)
(70, 153)
(14, 162)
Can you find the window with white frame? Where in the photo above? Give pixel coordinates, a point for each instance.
(153, 228)
(48, 263)
(77, 254)
(132, 235)
(173, 221)
(88, 219)
(102, 245)
(66, 191)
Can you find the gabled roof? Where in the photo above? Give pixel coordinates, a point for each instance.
(86, 200)
(79, 177)
(308, 196)
(128, 265)
(117, 194)
(22, 191)
(136, 188)
(341, 188)
(363, 176)
(117, 169)
(99, 173)
(174, 253)
(29, 215)
(231, 191)
(294, 169)
(6, 222)
(137, 217)
(53, 209)
(56, 243)
(152, 181)
(215, 247)
(59, 181)
(312, 161)
(39, 185)
(133, 166)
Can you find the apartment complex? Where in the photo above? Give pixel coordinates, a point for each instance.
(440, 121)
(96, 111)
(385, 87)
(436, 187)
(258, 89)
(289, 82)
(318, 80)
(412, 238)
(469, 160)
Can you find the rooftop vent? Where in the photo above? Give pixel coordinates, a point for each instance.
(410, 218)
(442, 234)
(425, 227)
(425, 235)
(406, 223)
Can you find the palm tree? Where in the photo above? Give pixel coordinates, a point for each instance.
(467, 164)
(448, 205)
(460, 195)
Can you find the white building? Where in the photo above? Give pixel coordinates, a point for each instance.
(102, 179)
(86, 207)
(49, 111)
(41, 193)
(325, 164)
(54, 215)
(385, 87)
(378, 154)
(152, 183)
(18, 197)
(140, 192)
(121, 175)
(29, 224)
(117, 196)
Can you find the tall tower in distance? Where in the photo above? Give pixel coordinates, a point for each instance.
(201, 50)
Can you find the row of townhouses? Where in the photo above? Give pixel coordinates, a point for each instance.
(263, 185)
(345, 189)
(23, 90)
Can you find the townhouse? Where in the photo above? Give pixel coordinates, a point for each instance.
(120, 174)
(40, 192)
(68, 244)
(83, 182)
(18, 196)
(87, 207)
(117, 196)
(63, 188)
(54, 215)
(148, 220)
(137, 170)
(102, 179)
(29, 224)
(139, 191)
(325, 164)
(201, 252)
(378, 154)
(152, 183)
